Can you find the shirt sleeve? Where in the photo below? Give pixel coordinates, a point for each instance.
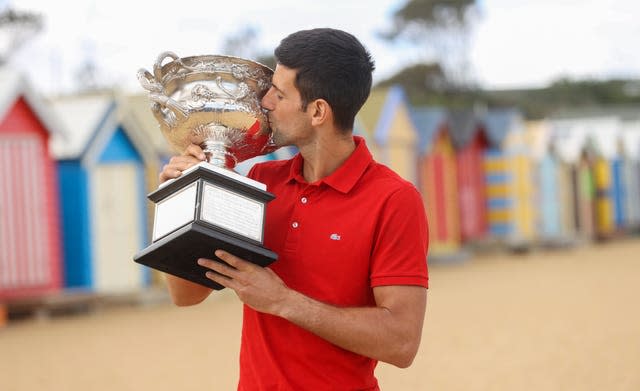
(399, 255)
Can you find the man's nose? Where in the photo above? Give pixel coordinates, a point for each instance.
(265, 102)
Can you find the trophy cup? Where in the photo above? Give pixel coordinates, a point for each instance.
(212, 101)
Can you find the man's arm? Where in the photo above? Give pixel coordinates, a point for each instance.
(184, 292)
(388, 332)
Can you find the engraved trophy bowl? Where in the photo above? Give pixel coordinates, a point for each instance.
(212, 101)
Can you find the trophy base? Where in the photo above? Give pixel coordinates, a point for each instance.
(178, 252)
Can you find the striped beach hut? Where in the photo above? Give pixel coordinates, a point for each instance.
(437, 180)
(387, 114)
(554, 215)
(30, 253)
(103, 195)
(470, 142)
(509, 179)
(591, 142)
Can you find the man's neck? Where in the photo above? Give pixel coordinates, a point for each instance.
(323, 157)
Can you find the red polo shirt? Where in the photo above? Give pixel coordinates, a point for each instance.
(361, 227)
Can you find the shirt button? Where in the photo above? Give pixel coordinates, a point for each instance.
(294, 224)
(303, 200)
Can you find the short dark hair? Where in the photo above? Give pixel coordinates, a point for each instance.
(332, 65)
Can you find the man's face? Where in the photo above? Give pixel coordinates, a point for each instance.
(289, 122)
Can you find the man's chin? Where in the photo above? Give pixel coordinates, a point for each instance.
(277, 140)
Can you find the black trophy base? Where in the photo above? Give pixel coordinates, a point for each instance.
(178, 252)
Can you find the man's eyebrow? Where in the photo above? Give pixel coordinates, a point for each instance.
(277, 88)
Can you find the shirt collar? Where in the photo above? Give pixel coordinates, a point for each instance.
(346, 176)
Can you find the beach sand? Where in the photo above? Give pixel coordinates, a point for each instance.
(547, 320)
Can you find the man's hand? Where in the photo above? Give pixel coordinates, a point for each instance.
(389, 331)
(191, 156)
(258, 287)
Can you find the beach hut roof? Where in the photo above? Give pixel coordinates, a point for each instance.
(82, 116)
(428, 120)
(500, 122)
(90, 121)
(463, 127)
(14, 85)
(378, 113)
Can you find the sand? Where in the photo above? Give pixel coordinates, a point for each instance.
(547, 320)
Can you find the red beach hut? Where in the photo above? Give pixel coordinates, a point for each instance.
(470, 140)
(30, 253)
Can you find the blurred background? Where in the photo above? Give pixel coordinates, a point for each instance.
(518, 121)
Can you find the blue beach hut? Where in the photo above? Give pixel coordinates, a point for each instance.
(554, 216)
(102, 194)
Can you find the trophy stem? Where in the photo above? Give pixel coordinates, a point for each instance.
(216, 153)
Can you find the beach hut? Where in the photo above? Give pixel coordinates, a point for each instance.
(136, 117)
(630, 141)
(554, 214)
(509, 179)
(470, 143)
(103, 195)
(619, 189)
(590, 140)
(387, 115)
(437, 181)
(30, 253)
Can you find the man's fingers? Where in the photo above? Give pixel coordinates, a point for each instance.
(176, 166)
(224, 275)
(195, 151)
(220, 279)
(169, 173)
(218, 267)
(232, 260)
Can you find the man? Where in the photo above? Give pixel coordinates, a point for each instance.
(349, 286)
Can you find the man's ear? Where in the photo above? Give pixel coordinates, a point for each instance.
(321, 112)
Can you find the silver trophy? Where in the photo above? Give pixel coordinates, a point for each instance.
(212, 101)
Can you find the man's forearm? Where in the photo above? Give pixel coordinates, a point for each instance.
(376, 332)
(184, 292)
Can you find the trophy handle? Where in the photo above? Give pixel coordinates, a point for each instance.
(157, 67)
(167, 110)
(148, 82)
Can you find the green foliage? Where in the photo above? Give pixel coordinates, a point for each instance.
(566, 93)
(434, 13)
(426, 84)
